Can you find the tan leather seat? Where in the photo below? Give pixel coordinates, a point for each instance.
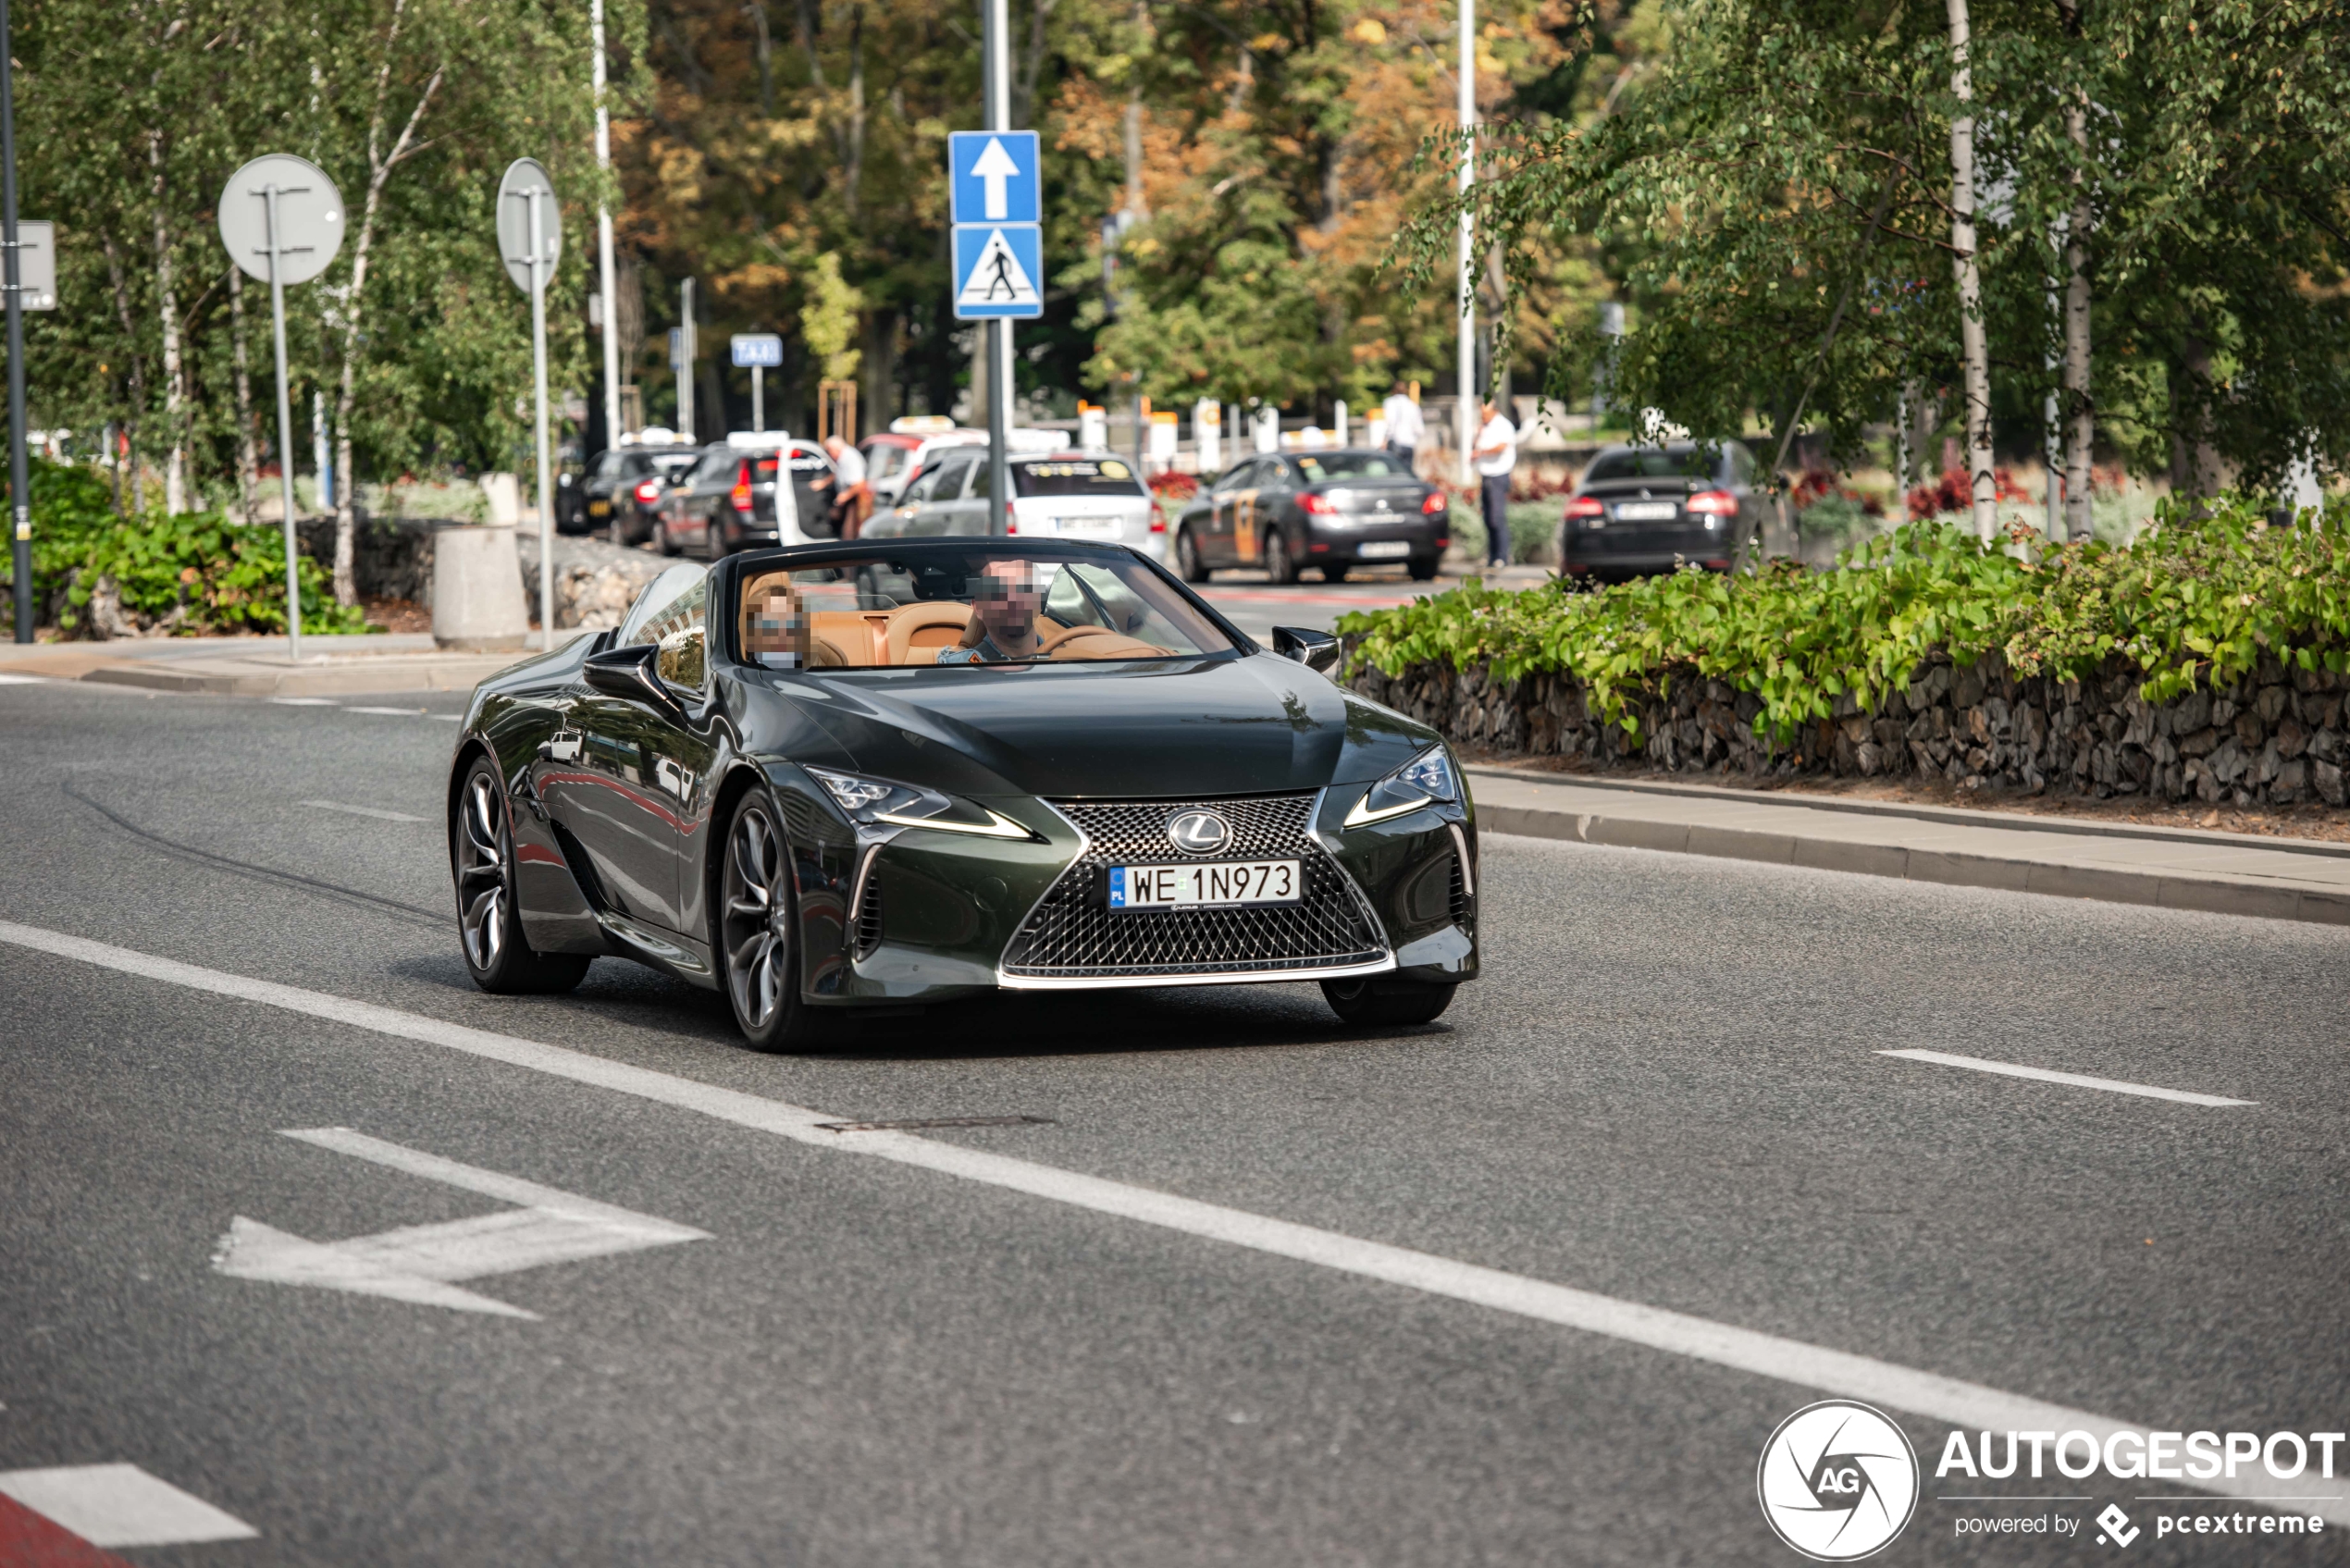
(916, 632)
(860, 635)
(1097, 642)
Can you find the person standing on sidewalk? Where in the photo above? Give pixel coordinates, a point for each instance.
(852, 496)
(1495, 455)
(1404, 427)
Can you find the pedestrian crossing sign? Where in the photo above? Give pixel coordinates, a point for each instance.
(999, 270)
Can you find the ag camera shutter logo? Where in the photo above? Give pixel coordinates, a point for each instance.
(1838, 1481)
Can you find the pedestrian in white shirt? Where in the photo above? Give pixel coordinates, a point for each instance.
(1403, 426)
(1495, 454)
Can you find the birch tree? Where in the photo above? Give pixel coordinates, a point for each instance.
(1983, 485)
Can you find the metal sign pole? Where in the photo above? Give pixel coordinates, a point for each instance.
(19, 481)
(758, 403)
(998, 30)
(603, 235)
(285, 424)
(539, 387)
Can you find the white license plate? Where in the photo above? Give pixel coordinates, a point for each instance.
(1220, 881)
(1384, 550)
(1085, 524)
(1648, 512)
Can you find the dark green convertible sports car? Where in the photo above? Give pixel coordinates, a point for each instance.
(902, 774)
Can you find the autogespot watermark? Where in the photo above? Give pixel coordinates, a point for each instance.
(1839, 1481)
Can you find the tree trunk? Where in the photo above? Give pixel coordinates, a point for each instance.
(137, 375)
(247, 460)
(175, 385)
(856, 172)
(2195, 461)
(2080, 413)
(1983, 483)
(878, 402)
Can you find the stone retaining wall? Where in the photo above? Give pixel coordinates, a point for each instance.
(2276, 737)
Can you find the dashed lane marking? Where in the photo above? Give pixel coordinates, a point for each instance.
(1961, 1404)
(375, 811)
(107, 1505)
(9, 679)
(399, 712)
(306, 702)
(2078, 1080)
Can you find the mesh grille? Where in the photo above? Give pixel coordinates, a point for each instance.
(1075, 933)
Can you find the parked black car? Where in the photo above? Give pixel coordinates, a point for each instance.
(1642, 510)
(622, 492)
(1334, 510)
(730, 499)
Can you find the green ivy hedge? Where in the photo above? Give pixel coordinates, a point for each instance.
(221, 577)
(2196, 598)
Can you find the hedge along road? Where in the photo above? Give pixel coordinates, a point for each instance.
(1666, 1092)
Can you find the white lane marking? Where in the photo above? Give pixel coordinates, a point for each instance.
(418, 1262)
(306, 702)
(2078, 1080)
(1835, 1372)
(121, 1505)
(7, 680)
(447, 718)
(402, 713)
(375, 811)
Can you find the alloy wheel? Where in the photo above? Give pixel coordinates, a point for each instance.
(753, 929)
(483, 874)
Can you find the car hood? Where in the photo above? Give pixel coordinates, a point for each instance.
(1257, 725)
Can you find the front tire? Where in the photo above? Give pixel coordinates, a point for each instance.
(1188, 565)
(1374, 1001)
(757, 941)
(481, 852)
(1278, 568)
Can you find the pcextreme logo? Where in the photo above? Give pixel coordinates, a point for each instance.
(1838, 1481)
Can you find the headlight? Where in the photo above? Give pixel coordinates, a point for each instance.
(868, 801)
(1423, 781)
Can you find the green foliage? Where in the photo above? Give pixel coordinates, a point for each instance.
(2194, 600)
(197, 571)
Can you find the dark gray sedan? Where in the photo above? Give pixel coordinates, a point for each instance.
(1334, 510)
(1642, 509)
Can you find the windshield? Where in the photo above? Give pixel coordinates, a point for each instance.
(993, 604)
(1350, 465)
(1076, 476)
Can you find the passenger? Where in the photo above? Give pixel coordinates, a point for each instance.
(1004, 607)
(776, 633)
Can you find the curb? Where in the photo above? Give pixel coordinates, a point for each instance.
(2212, 894)
(374, 675)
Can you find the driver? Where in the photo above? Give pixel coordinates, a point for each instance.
(1004, 609)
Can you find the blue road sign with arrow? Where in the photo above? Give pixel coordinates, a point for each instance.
(992, 176)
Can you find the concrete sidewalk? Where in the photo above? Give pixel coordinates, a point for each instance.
(2177, 869)
(339, 666)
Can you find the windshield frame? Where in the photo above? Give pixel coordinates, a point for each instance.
(728, 578)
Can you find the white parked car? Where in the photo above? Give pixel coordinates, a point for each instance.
(1064, 495)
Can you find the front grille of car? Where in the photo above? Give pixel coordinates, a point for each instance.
(1074, 933)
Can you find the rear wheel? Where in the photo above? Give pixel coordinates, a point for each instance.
(1277, 564)
(1188, 565)
(757, 944)
(617, 532)
(481, 853)
(661, 541)
(1377, 1000)
(1334, 573)
(1422, 568)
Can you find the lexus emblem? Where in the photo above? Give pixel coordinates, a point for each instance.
(1198, 832)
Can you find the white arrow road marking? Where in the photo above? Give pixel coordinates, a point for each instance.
(418, 1263)
(994, 167)
(120, 1505)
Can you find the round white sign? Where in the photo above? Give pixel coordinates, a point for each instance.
(309, 217)
(1838, 1480)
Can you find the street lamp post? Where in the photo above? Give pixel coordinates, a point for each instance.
(1465, 415)
(603, 236)
(996, 25)
(12, 269)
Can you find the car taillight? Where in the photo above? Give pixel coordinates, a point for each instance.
(741, 494)
(1584, 506)
(1713, 503)
(1319, 505)
(1433, 504)
(649, 491)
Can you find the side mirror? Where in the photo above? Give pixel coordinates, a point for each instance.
(628, 672)
(1316, 650)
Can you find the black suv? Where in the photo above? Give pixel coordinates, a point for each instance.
(623, 491)
(1642, 509)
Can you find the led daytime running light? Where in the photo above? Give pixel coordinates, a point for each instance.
(996, 826)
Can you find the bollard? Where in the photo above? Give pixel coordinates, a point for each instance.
(476, 590)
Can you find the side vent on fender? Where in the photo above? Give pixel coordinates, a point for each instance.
(869, 919)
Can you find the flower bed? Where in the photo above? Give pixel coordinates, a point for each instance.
(2208, 660)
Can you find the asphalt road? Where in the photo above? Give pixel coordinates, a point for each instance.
(1666, 1091)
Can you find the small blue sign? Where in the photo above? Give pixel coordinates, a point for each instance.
(992, 176)
(1000, 271)
(761, 348)
(1118, 887)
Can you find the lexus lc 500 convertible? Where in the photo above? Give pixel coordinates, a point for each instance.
(899, 773)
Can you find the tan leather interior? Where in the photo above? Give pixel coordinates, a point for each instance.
(918, 631)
